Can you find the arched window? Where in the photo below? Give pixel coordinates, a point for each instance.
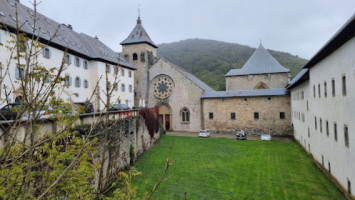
(135, 57)
(185, 115)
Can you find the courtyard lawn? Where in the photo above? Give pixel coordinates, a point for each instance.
(221, 168)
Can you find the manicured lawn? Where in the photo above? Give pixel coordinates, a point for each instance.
(220, 168)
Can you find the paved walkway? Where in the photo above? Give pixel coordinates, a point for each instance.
(220, 135)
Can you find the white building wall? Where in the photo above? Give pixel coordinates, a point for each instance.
(339, 109)
(73, 93)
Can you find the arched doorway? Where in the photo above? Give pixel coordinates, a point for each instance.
(164, 117)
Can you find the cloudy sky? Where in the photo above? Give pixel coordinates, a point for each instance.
(300, 27)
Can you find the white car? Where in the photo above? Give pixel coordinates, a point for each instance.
(265, 137)
(204, 133)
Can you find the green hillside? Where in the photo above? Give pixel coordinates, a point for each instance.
(210, 60)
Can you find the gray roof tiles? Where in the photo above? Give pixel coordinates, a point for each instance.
(193, 78)
(245, 93)
(53, 33)
(261, 62)
(138, 35)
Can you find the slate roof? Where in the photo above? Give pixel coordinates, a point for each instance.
(138, 35)
(261, 62)
(300, 77)
(57, 35)
(245, 93)
(193, 78)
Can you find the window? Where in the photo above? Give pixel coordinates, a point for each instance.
(0, 69)
(67, 59)
(325, 89)
(302, 95)
(322, 160)
(86, 83)
(319, 90)
(335, 132)
(349, 187)
(129, 74)
(343, 80)
(210, 115)
(77, 62)
(245, 99)
(115, 70)
(307, 106)
(233, 116)
(315, 123)
(77, 81)
(314, 91)
(142, 57)
(122, 72)
(68, 80)
(309, 133)
(126, 56)
(85, 64)
(123, 87)
(115, 86)
(346, 136)
(135, 57)
(269, 98)
(256, 115)
(185, 115)
(108, 68)
(320, 125)
(333, 87)
(282, 115)
(329, 167)
(46, 53)
(327, 127)
(130, 89)
(46, 77)
(20, 73)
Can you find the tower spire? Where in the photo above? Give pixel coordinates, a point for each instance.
(139, 21)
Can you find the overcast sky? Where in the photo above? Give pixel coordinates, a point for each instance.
(300, 27)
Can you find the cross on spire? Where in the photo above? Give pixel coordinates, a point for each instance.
(139, 21)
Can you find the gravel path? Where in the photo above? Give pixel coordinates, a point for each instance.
(220, 135)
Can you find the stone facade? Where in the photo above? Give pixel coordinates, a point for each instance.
(268, 109)
(185, 94)
(249, 82)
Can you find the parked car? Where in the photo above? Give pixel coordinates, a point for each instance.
(118, 107)
(86, 106)
(241, 135)
(204, 133)
(265, 137)
(10, 111)
(41, 113)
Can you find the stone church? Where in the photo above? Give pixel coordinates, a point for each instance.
(255, 100)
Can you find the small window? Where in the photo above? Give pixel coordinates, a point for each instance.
(302, 95)
(335, 132)
(68, 80)
(130, 88)
(307, 106)
(77, 62)
(46, 53)
(245, 99)
(115, 86)
(142, 57)
(315, 123)
(343, 80)
(185, 115)
(333, 87)
(256, 115)
(77, 81)
(320, 125)
(1, 70)
(330, 170)
(282, 115)
(309, 133)
(108, 68)
(210, 115)
(129, 74)
(325, 89)
(233, 116)
(269, 98)
(123, 88)
(67, 59)
(322, 160)
(319, 90)
(122, 72)
(346, 136)
(20, 73)
(349, 187)
(314, 91)
(327, 127)
(86, 83)
(135, 57)
(85, 64)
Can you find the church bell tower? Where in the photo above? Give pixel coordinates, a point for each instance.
(141, 51)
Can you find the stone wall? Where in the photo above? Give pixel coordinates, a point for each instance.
(279, 80)
(244, 108)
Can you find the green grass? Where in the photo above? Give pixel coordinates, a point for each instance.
(221, 168)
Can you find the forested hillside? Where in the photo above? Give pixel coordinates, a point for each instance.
(210, 60)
